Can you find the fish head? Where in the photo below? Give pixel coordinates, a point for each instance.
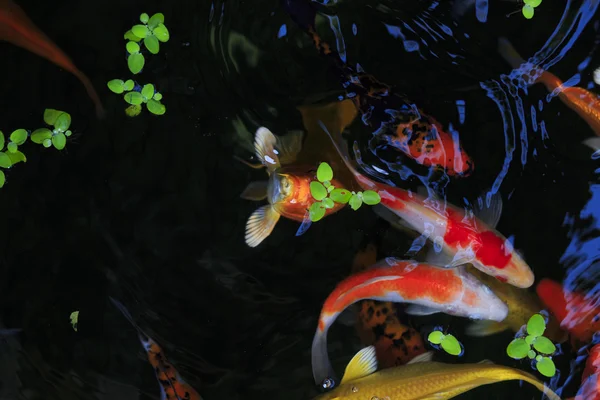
(281, 187)
(480, 300)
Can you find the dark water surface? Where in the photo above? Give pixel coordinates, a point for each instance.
(147, 209)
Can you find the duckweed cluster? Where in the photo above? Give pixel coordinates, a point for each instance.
(447, 342)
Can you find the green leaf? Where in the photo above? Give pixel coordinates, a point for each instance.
(39, 135)
(533, 3)
(2, 179)
(327, 184)
(156, 19)
(116, 86)
(144, 18)
(5, 161)
(544, 345)
(161, 32)
(130, 36)
(135, 62)
(132, 47)
(317, 190)
(546, 367)
(316, 211)
(63, 122)
(528, 11)
(355, 202)
(157, 96)
(134, 98)
(148, 91)
(530, 339)
(328, 203)
(451, 345)
(1, 140)
(370, 197)
(59, 141)
(536, 325)
(517, 349)
(68, 133)
(12, 147)
(74, 317)
(324, 172)
(436, 337)
(140, 31)
(47, 143)
(51, 115)
(129, 85)
(155, 107)
(133, 110)
(152, 44)
(19, 136)
(531, 354)
(16, 157)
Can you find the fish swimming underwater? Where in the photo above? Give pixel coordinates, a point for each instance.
(287, 190)
(463, 239)
(590, 380)
(172, 386)
(18, 29)
(394, 119)
(450, 290)
(421, 379)
(522, 304)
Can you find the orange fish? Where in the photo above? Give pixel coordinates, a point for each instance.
(172, 386)
(590, 380)
(395, 343)
(18, 29)
(576, 313)
(287, 190)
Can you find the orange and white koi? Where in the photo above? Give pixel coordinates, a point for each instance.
(287, 190)
(453, 291)
(172, 386)
(590, 380)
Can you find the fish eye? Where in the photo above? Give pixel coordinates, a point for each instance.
(328, 384)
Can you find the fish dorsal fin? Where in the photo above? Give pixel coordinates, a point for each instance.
(364, 363)
(255, 191)
(425, 357)
(289, 146)
(260, 225)
(418, 309)
(489, 214)
(264, 145)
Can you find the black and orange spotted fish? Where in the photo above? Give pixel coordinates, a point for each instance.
(172, 386)
(394, 119)
(395, 343)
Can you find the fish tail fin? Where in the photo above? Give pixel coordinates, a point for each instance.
(483, 328)
(260, 224)
(143, 336)
(509, 53)
(321, 367)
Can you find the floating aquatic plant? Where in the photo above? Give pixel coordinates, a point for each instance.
(534, 343)
(136, 95)
(447, 342)
(529, 8)
(74, 317)
(327, 195)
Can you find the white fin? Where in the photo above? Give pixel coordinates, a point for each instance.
(394, 220)
(444, 260)
(490, 215)
(427, 356)
(348, 317)
(509, 53)
(417, 309)
(306, 223)
(593, 143)
(255, 191)
(364, 363)
(260, 225)
(289, 146)
(483, 328)
(264, 145)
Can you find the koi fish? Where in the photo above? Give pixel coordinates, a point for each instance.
(463, 239)
(18, 29)
(287, 190)
(577, 314)
(172, 386)
(521, 303)
(393, 118)
(452, 291)
(582, 101)
(421, 379)
(590, 380)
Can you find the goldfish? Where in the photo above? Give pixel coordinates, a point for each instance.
(172, 386)
(18, 29)
(590, 380)
(582, 101)
(577, 313)
(453, 291)
(421, 379)
(395, 120)
(463, 239)
(287, 190)
(521, 303)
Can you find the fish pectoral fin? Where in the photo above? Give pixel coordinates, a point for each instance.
(306, 223)
(255, 191)
(264, 145)
(363, 363)
(418, 309)
(289, 146)
(445, 260)
(484, 327)
(348, 317)
(593, 143)
(490, 214)
(260, 225)
(394, 220)
(425, 357)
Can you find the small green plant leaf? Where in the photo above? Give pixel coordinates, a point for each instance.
(330, 188)
(140, 31)
(324, 172)
(47, 142)
(152, 44)
(5, 161)
(16, 157)
(1, 140)
(129, 85)
(316, 211)
(370, 197)
(59, 141)
(39, 135)
(68, 133)
(19, 136)
(134, 98)
(317, 190)
(546, 367)
(161, 32)
(157, 96)
(451, 345)
(355, 202)
(12, 147)
(2, 179)
(148, 91)
(51, 115)
(130, 36)
(136, 62)
(530, 339)
(116, 86)
(536, 325)
(63, 122)
(132, 47)
(517, 349)
(538, 358)
(544, 345)
(133, 110)
(436, 337)
(156, 19)
(528, 11)
(74, 317)
(533, 3)
(327, 184)
(531, 354)
(144, 18)
(155, 107)
(328, 203)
